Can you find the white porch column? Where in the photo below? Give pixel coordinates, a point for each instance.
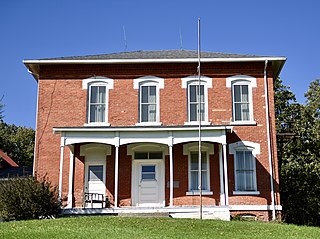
(116, 171)
(61, 166)
(225, 167)
(71, 172)
(222, 193)
(171, 170)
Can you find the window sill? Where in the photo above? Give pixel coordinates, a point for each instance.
(246, 193)
(197, 123)
(97, 124)
(191, 193)
(149, 124)
(243, 123)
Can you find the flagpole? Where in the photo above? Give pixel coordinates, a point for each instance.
(199, 118)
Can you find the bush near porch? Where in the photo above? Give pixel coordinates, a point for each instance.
(122, 227)
(27, 198)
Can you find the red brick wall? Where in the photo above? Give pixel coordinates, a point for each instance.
(62, 103)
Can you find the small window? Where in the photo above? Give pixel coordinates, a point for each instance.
(148, 155)
(148, 172)
(95, 173)
(245, 171)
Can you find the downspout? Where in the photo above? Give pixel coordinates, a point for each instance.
(269, 142)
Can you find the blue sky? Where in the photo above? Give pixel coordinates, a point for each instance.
(33, 29)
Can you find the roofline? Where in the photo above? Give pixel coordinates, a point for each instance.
(138, 129)
(176, 60)
(34, 65)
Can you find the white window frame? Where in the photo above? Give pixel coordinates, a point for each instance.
(194, 80)
(242, 146)
(87, 84)
(194, 148)
(149, 81)
(251, 82)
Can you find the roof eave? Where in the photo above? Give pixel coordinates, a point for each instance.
(34, 65)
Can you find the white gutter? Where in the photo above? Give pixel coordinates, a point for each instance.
(177, 60)
(138, 129)
(269, 142)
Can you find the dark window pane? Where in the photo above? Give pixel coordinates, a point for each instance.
(141, 155)
(155, 155)
(95, 173)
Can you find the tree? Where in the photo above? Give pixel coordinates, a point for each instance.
(17, 142)
(299, 155)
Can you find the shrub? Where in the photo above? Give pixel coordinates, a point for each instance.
(28, 198)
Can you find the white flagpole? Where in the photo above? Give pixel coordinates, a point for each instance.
(199, 118)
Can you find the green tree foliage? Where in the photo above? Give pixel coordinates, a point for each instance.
(28, 198)
(298, 129)
(17, 142)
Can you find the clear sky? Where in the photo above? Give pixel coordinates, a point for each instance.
(33, 29)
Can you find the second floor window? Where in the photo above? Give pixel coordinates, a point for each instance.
(196, 104)
(241, 102)
(149, 99)
(241, 93)
(148, 103)
(197, 98)
(97, 105)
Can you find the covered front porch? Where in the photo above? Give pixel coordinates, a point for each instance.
(144, 169)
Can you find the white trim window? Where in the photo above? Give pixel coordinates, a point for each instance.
(97, 112)
(245, 171)
(197, 98)
(194, 171)
(242, 105)
(148, 107)
(192, 150)
(245, 166)
(97, 105)
(149, 99)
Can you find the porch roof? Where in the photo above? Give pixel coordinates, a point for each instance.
(168, 135)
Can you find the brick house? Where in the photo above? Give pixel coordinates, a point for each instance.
(126, 125)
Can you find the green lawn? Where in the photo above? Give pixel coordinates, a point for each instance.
(124, 227)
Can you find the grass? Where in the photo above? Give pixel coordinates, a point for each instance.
(125, 227)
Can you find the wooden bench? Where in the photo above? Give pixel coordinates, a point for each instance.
(96, 198)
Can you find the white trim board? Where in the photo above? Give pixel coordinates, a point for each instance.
(254, 207)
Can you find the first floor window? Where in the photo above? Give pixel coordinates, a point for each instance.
(245, 171)
(194, 171)
(97, 104)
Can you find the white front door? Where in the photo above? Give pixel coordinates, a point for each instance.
(95, 174)
(149, 183)
(95, 183)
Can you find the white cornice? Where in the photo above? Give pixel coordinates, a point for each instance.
(178, 60)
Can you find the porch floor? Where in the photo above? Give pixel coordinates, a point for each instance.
(220, 213)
